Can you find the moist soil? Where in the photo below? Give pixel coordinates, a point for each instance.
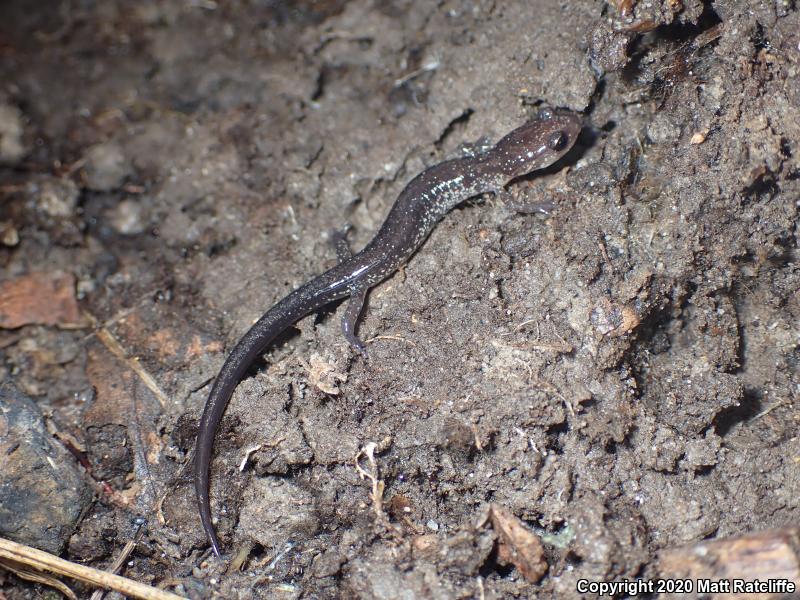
(617, 371)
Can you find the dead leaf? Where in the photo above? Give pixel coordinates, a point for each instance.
(322, 375)
(425, 546)
(613, 319)
(698, 137)
(518, 545)
(40, 299)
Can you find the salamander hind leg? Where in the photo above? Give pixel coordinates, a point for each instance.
(350, 319)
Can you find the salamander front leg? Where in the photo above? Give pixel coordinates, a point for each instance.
(541, 207)
(339, 239)
(350, 319)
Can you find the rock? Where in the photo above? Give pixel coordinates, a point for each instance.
(12, 147)
(106, 167)
(42, 490)
(127, 217)
(53, 197)
(275, 511)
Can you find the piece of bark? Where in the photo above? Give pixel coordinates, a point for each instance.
(771, 557)
(46, 298)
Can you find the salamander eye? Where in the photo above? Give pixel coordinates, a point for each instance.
(545, 114)
(557, 140)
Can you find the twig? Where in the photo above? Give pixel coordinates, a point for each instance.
(377, 485)
(35, 577)
(110, 342)
(43, 561)
(120, 560)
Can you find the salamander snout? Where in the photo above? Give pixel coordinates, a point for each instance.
(537, 144)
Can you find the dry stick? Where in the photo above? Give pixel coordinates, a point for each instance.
(36, 577)
(110, 342)
(120, 560)
(47, 562)
(377, 485)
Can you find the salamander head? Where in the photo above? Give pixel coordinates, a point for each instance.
(537, 144)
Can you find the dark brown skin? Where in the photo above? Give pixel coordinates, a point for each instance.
(420, 206)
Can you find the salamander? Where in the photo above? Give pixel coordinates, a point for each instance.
(417, 210)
